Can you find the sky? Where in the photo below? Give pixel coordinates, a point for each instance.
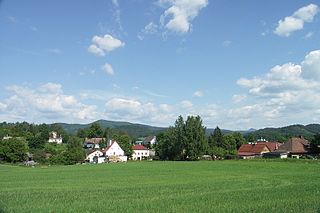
(239, 64)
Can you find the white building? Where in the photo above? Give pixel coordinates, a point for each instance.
(113, 149)
(95, 157)
(140, 152)
(55, 138)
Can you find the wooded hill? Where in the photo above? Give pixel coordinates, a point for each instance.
(138, 130)
(282, 134)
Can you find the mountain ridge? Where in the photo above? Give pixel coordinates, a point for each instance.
(139, 130)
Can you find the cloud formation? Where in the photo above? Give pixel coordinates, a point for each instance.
(105, 44)
(107, 68)
(180, 13)
(288, 92)
(45, 103)
(296, 21)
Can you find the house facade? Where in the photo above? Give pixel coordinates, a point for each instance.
(55, 138)
(113, 149)
(95, 157)
(140, 152)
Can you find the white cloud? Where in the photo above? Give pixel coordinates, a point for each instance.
(288, 92)
(226, 43)
(107, 68)
(308, 35)
(45, 103)
(133, 110)
(311, 65)
(296, 21)
(150, 29)
(102, 45)
(180, 13)
(96, 50)
(186, 104)
(238, 98)
(198, 94)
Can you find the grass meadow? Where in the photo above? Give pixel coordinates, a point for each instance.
(216, 186)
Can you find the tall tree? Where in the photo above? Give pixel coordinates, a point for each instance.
(315, 144)
(95, 131)
(185, 141)
(195, 142)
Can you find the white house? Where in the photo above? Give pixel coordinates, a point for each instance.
(55, 138)
(140, 152)
(113, 149)
(95, 157)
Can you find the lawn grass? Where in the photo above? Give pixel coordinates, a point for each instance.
(217, 186)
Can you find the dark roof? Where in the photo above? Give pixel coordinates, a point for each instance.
(148, 139)
(295, 146)
(139, 147)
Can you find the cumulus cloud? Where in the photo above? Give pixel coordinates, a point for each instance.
(137, 111)
(45, 103)
(180, 13)
(198, 94)
(296, 21)
(289, 91)
(107, 68)
(105, 44)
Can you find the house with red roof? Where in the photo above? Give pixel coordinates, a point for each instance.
(140, 152)
(252, 150)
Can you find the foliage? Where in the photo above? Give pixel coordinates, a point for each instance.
(74, 153)
(124, 142)
(315, 144)
(185, 141)
(13, 150)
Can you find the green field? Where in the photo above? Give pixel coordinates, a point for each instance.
(217, 186)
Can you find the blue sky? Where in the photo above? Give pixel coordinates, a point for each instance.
(237, 64)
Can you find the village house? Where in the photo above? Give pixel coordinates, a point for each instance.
(294, 147)
(95, 156)
(114, 152)
(247, 151)
(55, 138)
(93, 143)
(140, 152)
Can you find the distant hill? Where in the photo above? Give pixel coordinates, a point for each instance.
(134, 130)
(284, 133)
(141, 130)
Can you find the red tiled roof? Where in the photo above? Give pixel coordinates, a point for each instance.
(139, 147)
(245, 148)
(252, 149)
(271, 145)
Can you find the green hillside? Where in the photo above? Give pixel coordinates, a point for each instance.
(283, 133)
(134, 130)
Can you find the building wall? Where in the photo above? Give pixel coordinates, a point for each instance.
(139, 154)
(115, 150)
